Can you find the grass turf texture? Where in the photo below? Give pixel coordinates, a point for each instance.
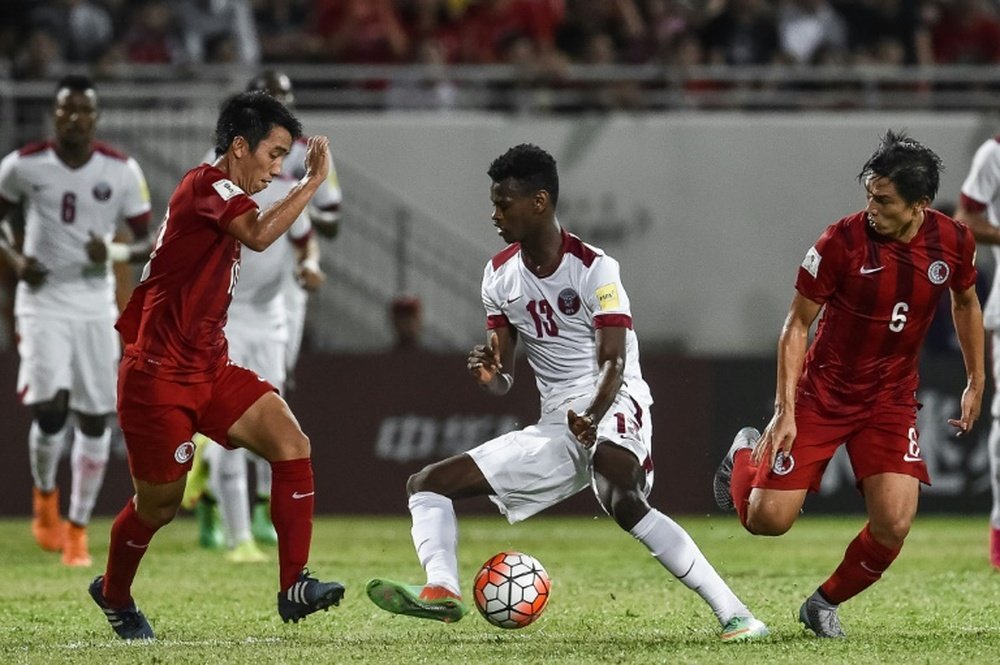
(611, 602)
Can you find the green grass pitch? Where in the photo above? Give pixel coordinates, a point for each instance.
(611, 602)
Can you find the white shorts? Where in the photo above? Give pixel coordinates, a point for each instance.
(258, 353)
(65, 354)
(539, 466)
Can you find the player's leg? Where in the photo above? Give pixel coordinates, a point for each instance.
(268, 428)
(434, 530)
(994, 454)
(228, 482)
(91, 448)
(95, 354)
(993, 449)
(260, 525)
(46, 439)
(43, 383)
(200, 497)
(620, 484)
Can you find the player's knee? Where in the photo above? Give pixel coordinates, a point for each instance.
(418, 482)
(763, 523)
(156, 515)
(298, 447)
(51, 420)
(890, 533)
(627, 508)
(91, 425)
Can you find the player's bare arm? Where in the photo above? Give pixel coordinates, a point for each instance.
(258, 230)
(492, 364)
(968, 319)
(982, 230)
(27, 268)
(308, 273)
(779, 435)
(610, 344)
(121, 249)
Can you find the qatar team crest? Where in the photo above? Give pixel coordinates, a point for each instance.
(938, 272)
(184, 452)
(783, 464)
(569, 302)
(102, 191)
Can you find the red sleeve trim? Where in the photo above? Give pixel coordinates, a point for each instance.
(497, 321)
(140, 223)
(971, 204)
(110, 151)
(34, 148)
(612, 321)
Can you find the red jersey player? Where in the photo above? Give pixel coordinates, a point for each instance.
(176, 378)
(877, 275)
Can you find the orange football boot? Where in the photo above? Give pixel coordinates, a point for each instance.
(75, 552)
(48, 528)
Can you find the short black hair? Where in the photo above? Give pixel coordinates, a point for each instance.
(914, 169)
(75, 83)
(252, 115)
(528, 165)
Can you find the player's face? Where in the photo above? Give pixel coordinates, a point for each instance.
(75, 116)
(888, 213)
(265, 162)
(513, 211)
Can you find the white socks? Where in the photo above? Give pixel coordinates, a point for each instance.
(89, 460)
(676, 551)
(44, 451)
(435, 537)
(227, 478)
(262, 469)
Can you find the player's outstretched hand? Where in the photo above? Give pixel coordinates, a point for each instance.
(317, 158)
(484, 360)
(97, 249)
(583, 427)
(31, 271)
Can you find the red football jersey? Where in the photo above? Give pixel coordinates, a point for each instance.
(880, 296)
(173, 323)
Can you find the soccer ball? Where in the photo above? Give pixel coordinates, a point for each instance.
(511, 589)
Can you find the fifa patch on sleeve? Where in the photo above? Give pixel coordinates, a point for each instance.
(811, 262)
(607, 297)
(226, 189)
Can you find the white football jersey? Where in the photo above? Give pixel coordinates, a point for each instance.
(62, 208)
(982, 186)
(556, 317)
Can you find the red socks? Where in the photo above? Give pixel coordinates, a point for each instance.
(864, 562)
(292, 497)
(130, 538)
(741, 483)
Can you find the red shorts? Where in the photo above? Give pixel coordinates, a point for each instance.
(159, 417)
(883, 440)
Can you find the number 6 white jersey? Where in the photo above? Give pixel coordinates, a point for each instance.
(62, 207)
(556, 316)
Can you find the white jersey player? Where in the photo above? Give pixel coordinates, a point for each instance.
(979, 208)
(76, 195)
(564, 300)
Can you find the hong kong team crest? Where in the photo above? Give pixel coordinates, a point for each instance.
(783, 464)
(938, 272)
(569, 302)
(184, 452)
(102, 191)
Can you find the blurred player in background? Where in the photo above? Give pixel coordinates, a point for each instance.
(176, 377)
(565, 301)
(75, 193)
(264, 332)
(979, 208)
(878, 275)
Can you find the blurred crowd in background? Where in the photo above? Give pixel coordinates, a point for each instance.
(38, 39)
